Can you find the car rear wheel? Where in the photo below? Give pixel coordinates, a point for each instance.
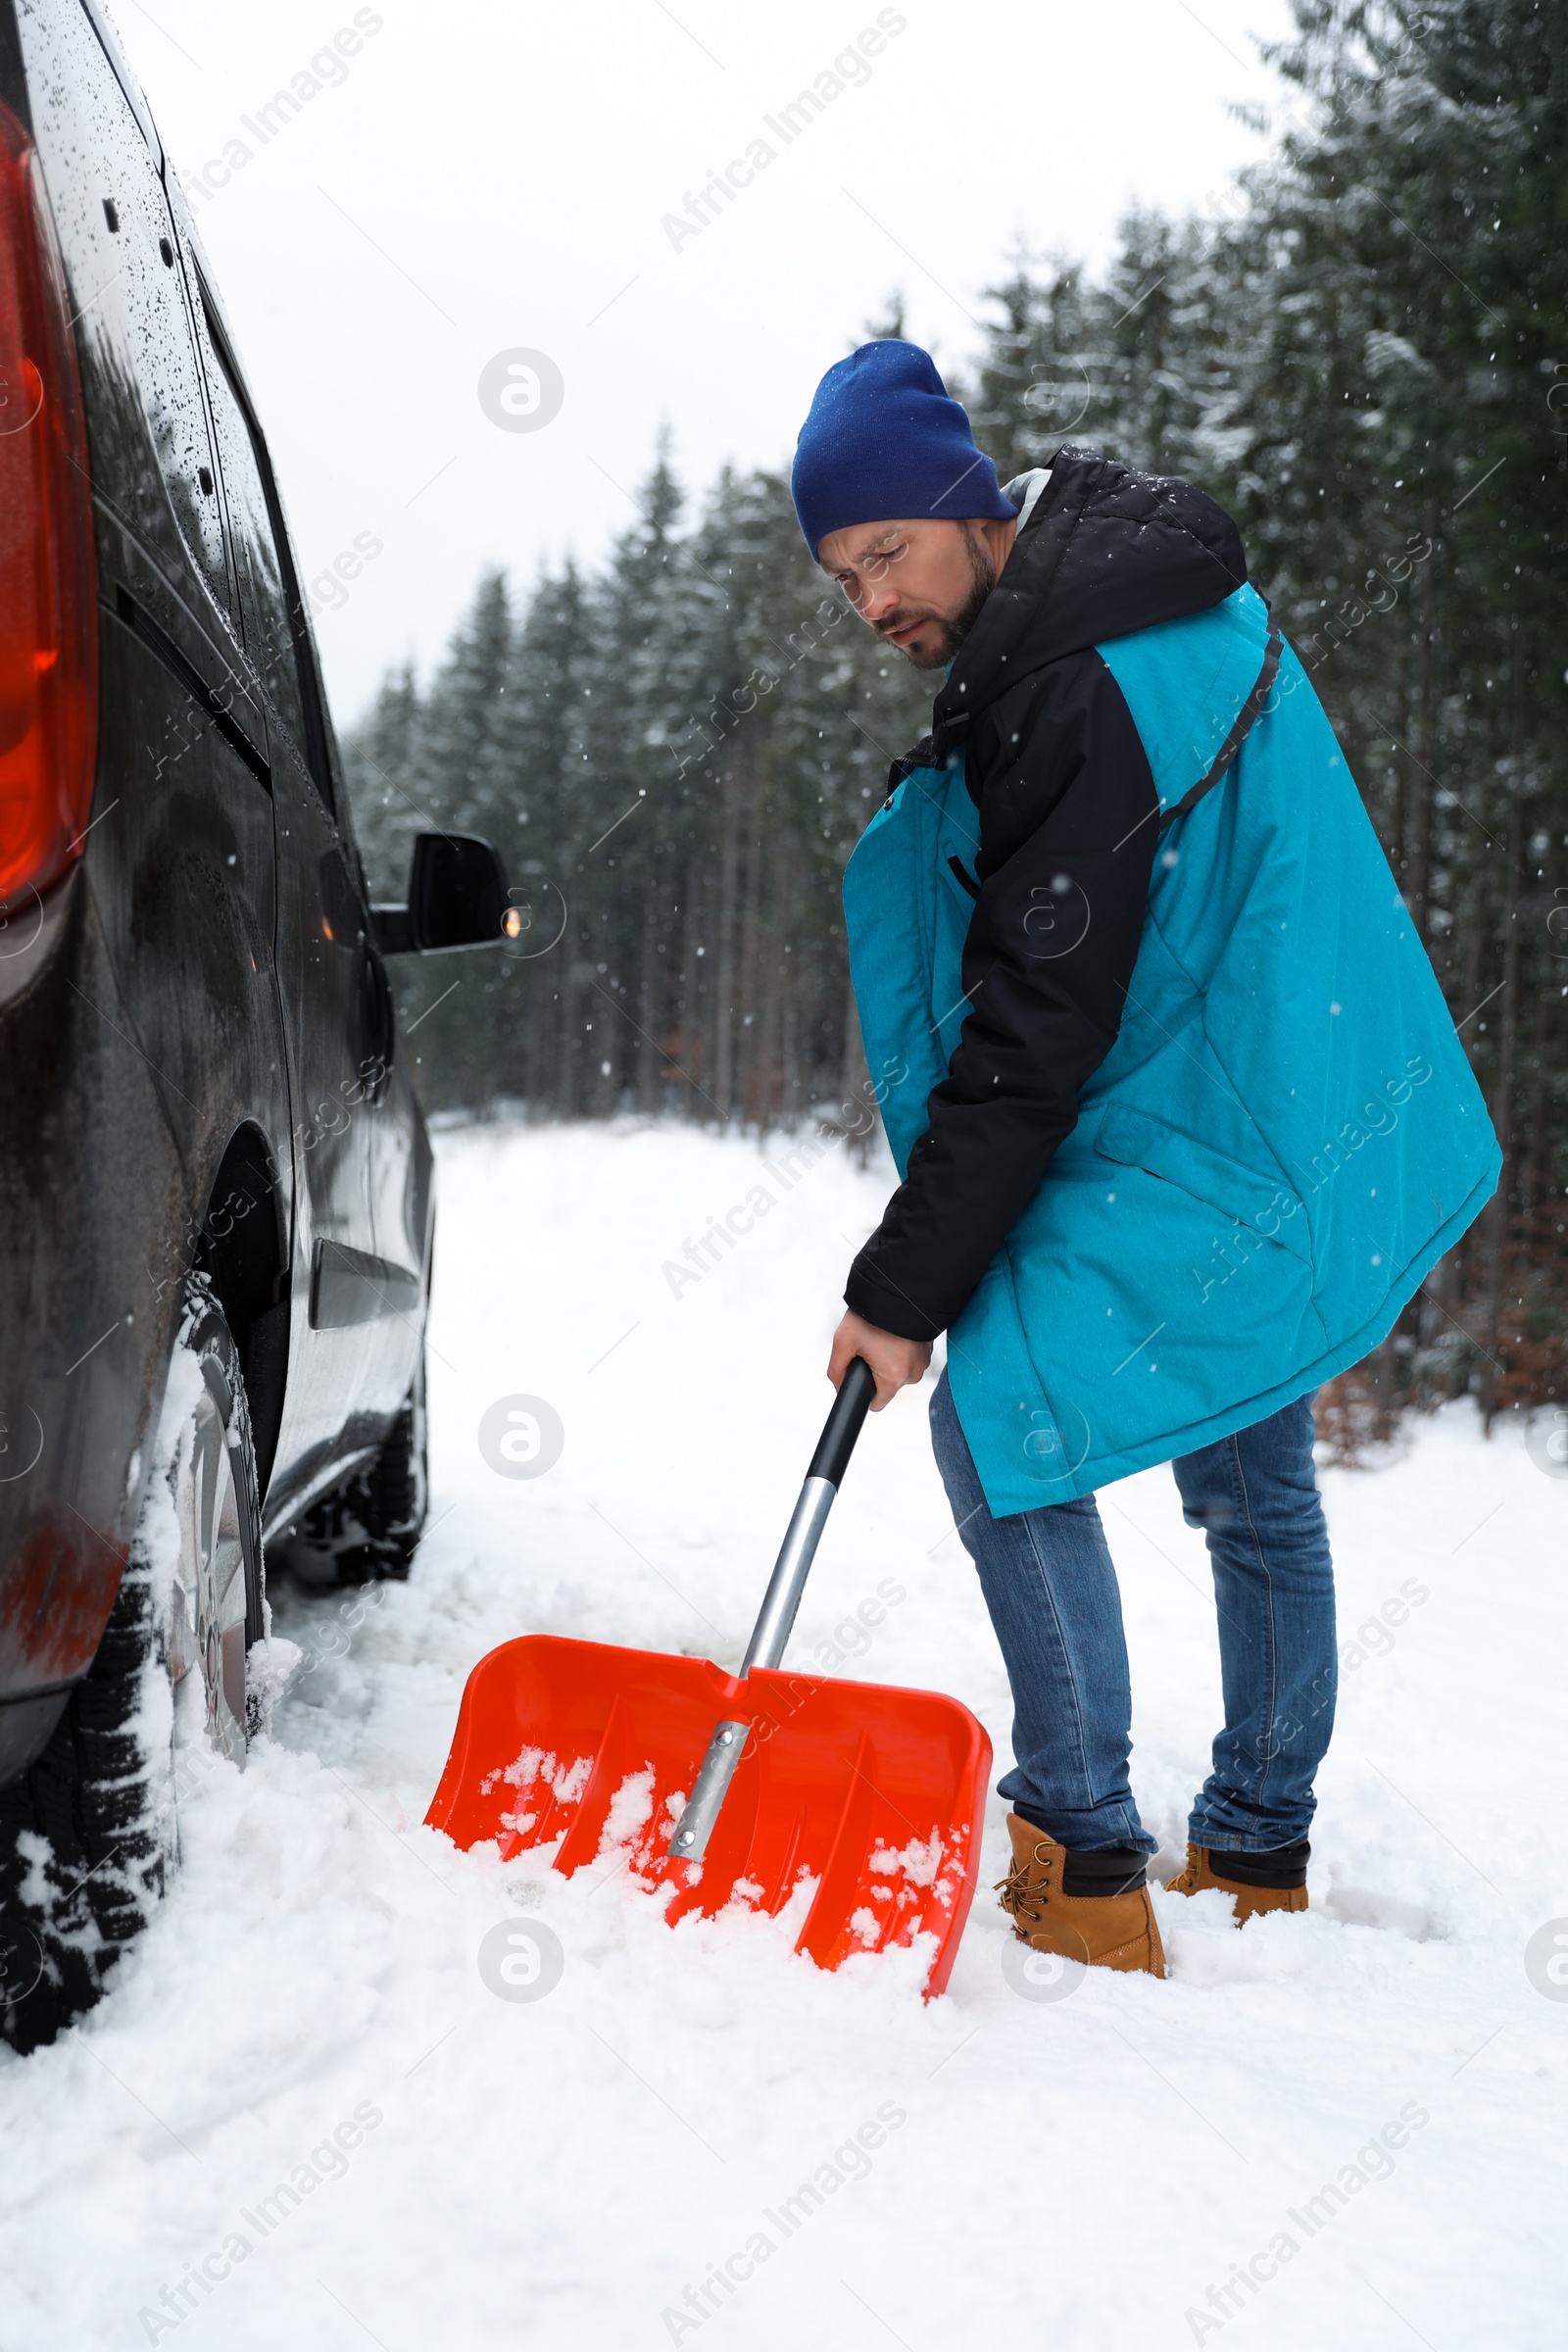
(217, 1609)
(88, 1832)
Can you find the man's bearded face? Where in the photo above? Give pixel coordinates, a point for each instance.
(919, 585)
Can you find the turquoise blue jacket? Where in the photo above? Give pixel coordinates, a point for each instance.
(1286, 1136)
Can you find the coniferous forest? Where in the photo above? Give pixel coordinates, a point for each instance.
(1361, 349)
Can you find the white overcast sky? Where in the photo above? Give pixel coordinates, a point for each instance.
(490, 175)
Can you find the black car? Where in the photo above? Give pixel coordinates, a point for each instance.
(216, 1200)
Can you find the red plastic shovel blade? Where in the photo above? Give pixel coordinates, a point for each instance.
(875, 1795)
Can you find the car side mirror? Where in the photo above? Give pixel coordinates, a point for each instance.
(457, 899)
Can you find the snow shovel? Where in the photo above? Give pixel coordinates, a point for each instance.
(854, 1806)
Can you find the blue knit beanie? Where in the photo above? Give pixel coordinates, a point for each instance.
(883, 441)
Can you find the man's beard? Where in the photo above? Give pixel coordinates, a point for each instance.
(954, 630)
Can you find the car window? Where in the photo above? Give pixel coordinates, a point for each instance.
(263, 579)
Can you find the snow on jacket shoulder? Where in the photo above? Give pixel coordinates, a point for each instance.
(1185, 1119)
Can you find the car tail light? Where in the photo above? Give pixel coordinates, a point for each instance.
(48, 584)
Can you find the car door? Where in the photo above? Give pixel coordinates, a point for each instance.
(348, 1344)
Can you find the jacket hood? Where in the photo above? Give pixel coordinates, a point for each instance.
(1107, 551)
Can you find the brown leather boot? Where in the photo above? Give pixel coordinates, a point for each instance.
(1249, 1900)
(1106, 1931)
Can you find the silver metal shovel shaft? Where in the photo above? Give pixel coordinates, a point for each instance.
(775, 1619)
(709, 1791)
(769, 1634)
(782, 1598)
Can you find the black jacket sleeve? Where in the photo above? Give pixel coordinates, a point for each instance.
(1068, 833)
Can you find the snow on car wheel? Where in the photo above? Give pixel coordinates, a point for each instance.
(209, 1597)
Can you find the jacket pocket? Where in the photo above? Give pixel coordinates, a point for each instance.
(1264, 1204)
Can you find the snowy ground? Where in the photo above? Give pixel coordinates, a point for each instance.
(471, 2171)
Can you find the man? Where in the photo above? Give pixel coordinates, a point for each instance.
(1186, 1121)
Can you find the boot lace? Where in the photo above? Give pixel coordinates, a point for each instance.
(1185, 1878)
(1015, 1889)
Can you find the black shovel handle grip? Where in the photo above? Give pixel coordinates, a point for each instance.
(843, 1425)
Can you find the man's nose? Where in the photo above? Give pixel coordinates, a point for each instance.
(877, 596)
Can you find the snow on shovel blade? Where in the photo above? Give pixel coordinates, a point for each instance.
(874, 1795)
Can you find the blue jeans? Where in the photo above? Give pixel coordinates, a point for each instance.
(1051, 1591)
